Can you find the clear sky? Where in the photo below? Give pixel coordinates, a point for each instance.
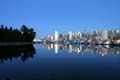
(47, 16)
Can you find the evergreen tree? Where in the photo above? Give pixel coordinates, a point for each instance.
(14, 35)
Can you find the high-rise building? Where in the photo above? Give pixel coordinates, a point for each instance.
(60, 37)
(79, 35)
(56, 36)
(52, 37)
(70, 36)
(49, 37)
(104, 35)
(66, 37)
(112, 34)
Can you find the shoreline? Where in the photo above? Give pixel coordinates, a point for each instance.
(30, 43)
(15, 43)
(83, 43)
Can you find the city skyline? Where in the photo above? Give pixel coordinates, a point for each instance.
(100, 37)
(47, 16)
(103, 34)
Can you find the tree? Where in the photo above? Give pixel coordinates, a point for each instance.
(9, 34)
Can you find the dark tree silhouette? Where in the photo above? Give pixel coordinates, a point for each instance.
(15, 35)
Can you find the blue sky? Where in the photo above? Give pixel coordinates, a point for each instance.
(47, 16)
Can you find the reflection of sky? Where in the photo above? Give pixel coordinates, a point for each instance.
(46, 16)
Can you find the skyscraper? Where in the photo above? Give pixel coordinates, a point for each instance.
(104, 34)
(56, 36)
(70, 36)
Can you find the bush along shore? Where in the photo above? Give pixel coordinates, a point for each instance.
(10, 36)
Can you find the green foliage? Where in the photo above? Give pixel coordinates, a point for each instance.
(14, 35)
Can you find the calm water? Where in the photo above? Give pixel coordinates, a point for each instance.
(59, 62)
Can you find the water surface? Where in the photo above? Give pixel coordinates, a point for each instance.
(59, 62)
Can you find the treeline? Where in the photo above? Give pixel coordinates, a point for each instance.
(25, 34)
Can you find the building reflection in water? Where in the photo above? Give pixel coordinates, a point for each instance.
(70, 48)
(8, 53)
(101, 49)
(56, 48)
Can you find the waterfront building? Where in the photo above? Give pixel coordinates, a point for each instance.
(112, 34)
(104, 35)
(60, 37)
(49, 37)
(70, 36)
(56, 36)
(52, 38)
(66, 37)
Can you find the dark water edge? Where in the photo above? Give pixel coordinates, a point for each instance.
(12, 52)
(15, 43)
